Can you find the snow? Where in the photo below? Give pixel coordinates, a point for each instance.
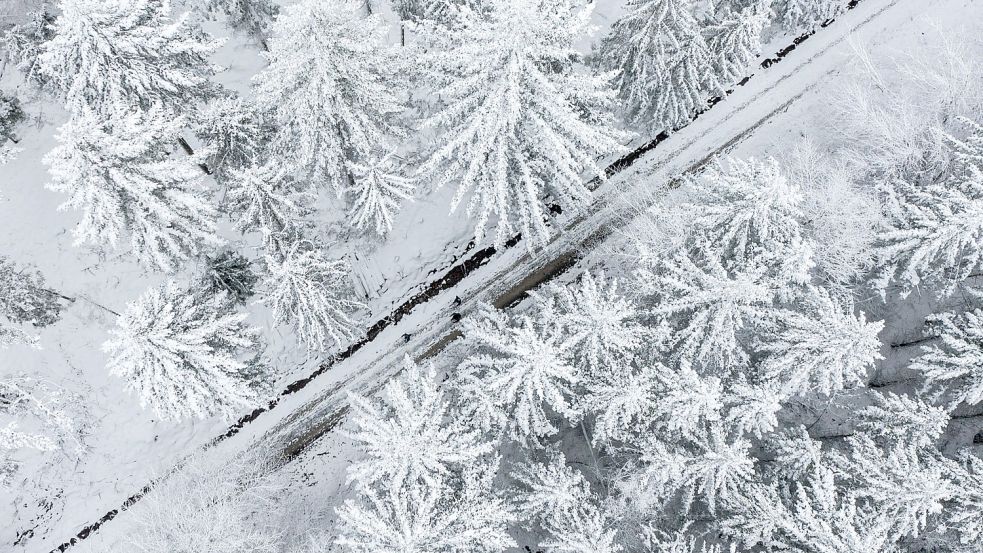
(127, 446)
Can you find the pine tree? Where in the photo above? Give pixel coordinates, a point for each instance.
(181, 353)
(232, 133)
(24, 297)
(109, 57)
(260, 197)
(409, 436)
(459, 517)
(23, 43)
(938, 233)
(955, 364)
(378, 191)
(965, 513)
(665, 67)
(734, 39)
(822, 348)
(122, 178)
(329, 90)
(517, 120)
(50, 416)
(518, 375)
(314, 294)
(11, 113)
(623, 402)
(806, 15)
(685, 400)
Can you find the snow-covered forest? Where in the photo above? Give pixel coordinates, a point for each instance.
(480, 276)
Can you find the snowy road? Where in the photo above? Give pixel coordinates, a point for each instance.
(312, 408)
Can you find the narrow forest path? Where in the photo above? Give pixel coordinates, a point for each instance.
(311, 407)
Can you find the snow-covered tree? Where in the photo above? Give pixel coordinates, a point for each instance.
(622, 402)
(517, 121)
(409, 435)
(938, 233)
(232, 133)
(906, 483)
(253, 17)
(519, 377)
(330, 89)
(665, 67)
(260, 197)
(209, 506)
(752, 407)
(806, 15)
(313, 293)
(23, 43)
(902, 420)
(712, 310)
(124, 180)
(601, 323)
(422, 518)
(24, 297)
(964, 514)
(109, 56)
(955, 364)
(378, 191)
(11, 114)
(819, 517)
(685, 401)
(734, 39)
(823, 347)
(50, 416)
(712, 468)
(181, 352)
(745, 209)
(231, 273)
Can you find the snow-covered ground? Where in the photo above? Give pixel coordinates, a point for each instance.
(126, 446)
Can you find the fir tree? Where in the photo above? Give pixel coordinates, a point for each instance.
(806, 15)
(109, 57)
(517, 120)
(665, 67)
(122, 178)
(24, 297)
(314, 294)
(232, 132)
(181, 353)
(734, 39)
(260, 197)
(955, 364)
(422, 518)
(329, 90)
(377, 191)
(903, 421)
(823, 348)
(518, 376)
(230, 273)
(408, 436)
(253, 17)
(937, 235)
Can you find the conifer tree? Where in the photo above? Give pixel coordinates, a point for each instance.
(937, 235)
(181, 353)
(806, 15)
(665, 67)
(313, 293)
(109, 57)
(409, 436)
(378, 191)
(121, 175)
(517, 120)
(519, 376)
(734, 39)
(24, 297)
(821, 348)
(329, 90)
(260, 197)
(955, 364)
(418, 517)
